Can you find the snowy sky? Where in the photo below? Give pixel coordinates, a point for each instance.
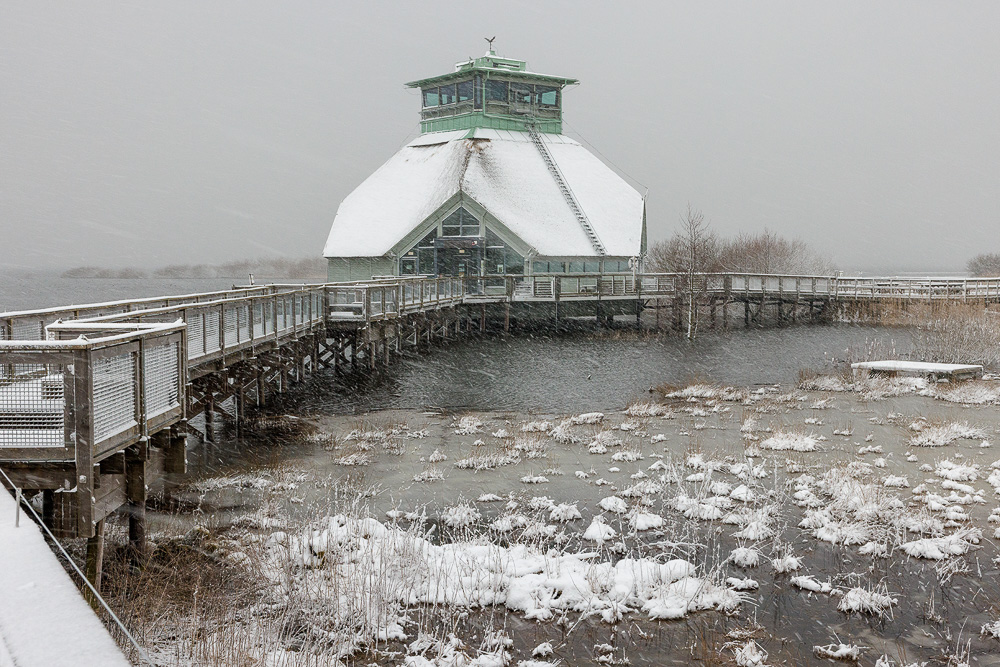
(142, 133)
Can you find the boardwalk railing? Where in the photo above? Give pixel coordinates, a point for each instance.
(564, 287)
(218, 329)
(30, 324)
(385, 299)
(93, 390)
(918, 289)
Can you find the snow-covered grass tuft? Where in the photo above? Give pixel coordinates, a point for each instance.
(939, 548)
(460, 516)
(797, 442)
(841, 652)
(941, 436)
(873, 601)
(991, 629)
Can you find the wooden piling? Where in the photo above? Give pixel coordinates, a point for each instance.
(94, 567)
(135, 493)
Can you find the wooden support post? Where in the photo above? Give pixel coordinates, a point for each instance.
(482, 319)
(94, 568)
(506, 317)
(210, 416)
(241, 406)
(48, 506)
(259, 381)
(725, 313)
(657, 314)
(135, 493)
(175, 454)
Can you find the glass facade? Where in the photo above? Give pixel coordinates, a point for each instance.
(496, 91)
(455, 254)
(460, 223)
(500, 259)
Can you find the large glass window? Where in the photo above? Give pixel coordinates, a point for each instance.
(496, 91)
(431, 97)
(548, 267)
(464, 91)
(478, 92)
(520, 93)
(425, 254)
(460, 223)
(547, 96)
(500, 259)
(448, 94)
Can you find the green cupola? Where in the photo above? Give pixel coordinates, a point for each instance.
(491, 92)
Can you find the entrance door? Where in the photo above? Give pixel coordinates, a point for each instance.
(459, 262)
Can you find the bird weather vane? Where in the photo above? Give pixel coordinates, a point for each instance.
(489, 40)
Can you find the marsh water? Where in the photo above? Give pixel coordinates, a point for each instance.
(510, 382)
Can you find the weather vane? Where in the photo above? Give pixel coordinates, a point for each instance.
(489, 40)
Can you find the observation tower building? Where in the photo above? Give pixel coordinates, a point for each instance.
(491, 187)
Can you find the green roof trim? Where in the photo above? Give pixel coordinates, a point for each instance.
(493, 64)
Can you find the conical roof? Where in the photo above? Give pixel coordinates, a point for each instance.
(504, 172)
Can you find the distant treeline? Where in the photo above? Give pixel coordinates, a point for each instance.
(302, 268)
(987, 264)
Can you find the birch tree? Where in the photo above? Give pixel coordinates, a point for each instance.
(699, 246)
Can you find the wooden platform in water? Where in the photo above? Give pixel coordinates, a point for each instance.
(936, 371)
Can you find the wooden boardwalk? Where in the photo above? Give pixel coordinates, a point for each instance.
(95, 399)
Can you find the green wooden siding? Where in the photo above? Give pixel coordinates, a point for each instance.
(349, 269)
(481, 119)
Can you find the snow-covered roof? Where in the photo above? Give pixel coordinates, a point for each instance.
(503, 171)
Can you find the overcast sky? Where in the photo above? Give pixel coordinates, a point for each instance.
(150, 133)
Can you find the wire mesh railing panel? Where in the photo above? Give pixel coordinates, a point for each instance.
(269, 318)
(212, 343)
(32, 408)
(195, 335)
(114, 395)
(160, 378)
(257, 330)
(230, 315)
(27, 329)
(243, 331)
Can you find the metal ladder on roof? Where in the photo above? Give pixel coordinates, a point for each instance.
(567, 194)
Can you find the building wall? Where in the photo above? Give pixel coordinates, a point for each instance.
(348, 269)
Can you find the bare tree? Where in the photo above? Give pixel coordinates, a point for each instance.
(766, 252)
(699, 248)
(986, 264)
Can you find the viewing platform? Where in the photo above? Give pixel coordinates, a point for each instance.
(921, 368)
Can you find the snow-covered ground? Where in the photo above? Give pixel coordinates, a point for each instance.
(765, 515)
(43, 618)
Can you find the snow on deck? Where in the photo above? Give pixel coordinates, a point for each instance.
(503, 171)
(43, 618)
(919, 368)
